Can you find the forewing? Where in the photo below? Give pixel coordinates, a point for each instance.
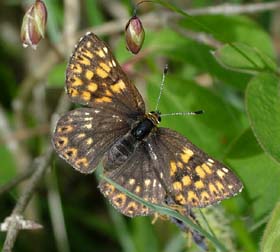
(193, 178)
(138, 176)
(94, 78)
(82, 136)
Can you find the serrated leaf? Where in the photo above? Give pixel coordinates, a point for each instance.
(263, 107)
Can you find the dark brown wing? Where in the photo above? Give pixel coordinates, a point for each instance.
(137, 175)
(94, 78)
(82, 136)
(191, 176)
(167, 165)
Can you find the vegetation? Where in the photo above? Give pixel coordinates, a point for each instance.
(222, 59)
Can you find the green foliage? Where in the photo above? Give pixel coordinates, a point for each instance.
(243, 58)
(259, 173)
(234, 78)
(56, 77)
(229, 29)
(8, 167)
(263, 106)
(270, 240)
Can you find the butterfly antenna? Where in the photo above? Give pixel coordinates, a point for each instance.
(184, 113)
(161, 85)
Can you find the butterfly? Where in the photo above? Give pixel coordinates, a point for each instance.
(152, 162)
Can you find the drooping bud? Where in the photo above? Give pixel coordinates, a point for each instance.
(34, 24)
(134, 35)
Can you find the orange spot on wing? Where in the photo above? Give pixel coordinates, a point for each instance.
(92, 87)
(180, 199)
(73, 92)
(89, 54)
(206, 168)
(177, 186)
(186, 180)
(89, 74)
(103, 99)
(77, 68)
(100, 53)
(105, 67)
(118, 87)
(186, 155)
(173, 168)
(86, 95)
(82, 162)
(200, 172)
(192, 197)
(76, 82)
(84, 61)
(101, 73)
(199, 184)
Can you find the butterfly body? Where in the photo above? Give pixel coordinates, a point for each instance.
(150, 161)
(118, 154)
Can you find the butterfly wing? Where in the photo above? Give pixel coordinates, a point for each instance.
(138, 175)
(193, 178)
(94, 78)
(167, 165)
(83, 135)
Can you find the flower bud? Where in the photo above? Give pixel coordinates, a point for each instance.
(134, 35)
(34, 24)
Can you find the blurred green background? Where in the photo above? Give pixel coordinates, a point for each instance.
(222, 62)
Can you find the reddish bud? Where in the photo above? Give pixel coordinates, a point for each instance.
(34, 24)
(134, 35)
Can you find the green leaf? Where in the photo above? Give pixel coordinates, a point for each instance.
(228, 29)
(94, 14)
(176, 244)
(189, 54)
(244, 58)
(259, 173)
(143, 235)
(55, 20)
(263, 107)
(270, 240)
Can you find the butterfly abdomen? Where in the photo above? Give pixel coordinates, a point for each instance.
(125, 146)
(120, 151)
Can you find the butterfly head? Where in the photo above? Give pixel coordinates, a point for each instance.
(155, 117)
